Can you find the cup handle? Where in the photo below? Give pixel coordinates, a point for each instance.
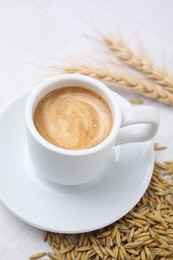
(138, 125)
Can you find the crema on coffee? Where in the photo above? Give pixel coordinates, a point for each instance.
(73, 118)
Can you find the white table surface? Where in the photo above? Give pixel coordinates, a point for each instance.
(39, 33)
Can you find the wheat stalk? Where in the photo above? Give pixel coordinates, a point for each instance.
(139, 63)
(119, 80)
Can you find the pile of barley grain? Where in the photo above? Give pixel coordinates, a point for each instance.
(146, 232)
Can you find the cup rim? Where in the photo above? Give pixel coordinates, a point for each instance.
(63, 77)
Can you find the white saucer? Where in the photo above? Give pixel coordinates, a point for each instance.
(58, 208)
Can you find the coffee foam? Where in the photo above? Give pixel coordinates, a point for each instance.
(73, 118)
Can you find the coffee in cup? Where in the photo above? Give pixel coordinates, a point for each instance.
(73, 118)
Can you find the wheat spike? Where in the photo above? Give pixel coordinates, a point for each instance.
(129, 81)
(139, 63)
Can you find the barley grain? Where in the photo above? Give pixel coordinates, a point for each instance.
(84, 248)
(134, 244)
(136, 101)
(132, 251)
(37, 255)
(110, 252)
(98, 251)
(67, 249)
(104, 234)
(81, 238)
(103, 250)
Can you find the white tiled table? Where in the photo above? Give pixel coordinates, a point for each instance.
(48, 32)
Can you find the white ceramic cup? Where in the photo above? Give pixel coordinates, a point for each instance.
(74, 167)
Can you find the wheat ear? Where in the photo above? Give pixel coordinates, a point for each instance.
(139, 63)
(139, 86)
